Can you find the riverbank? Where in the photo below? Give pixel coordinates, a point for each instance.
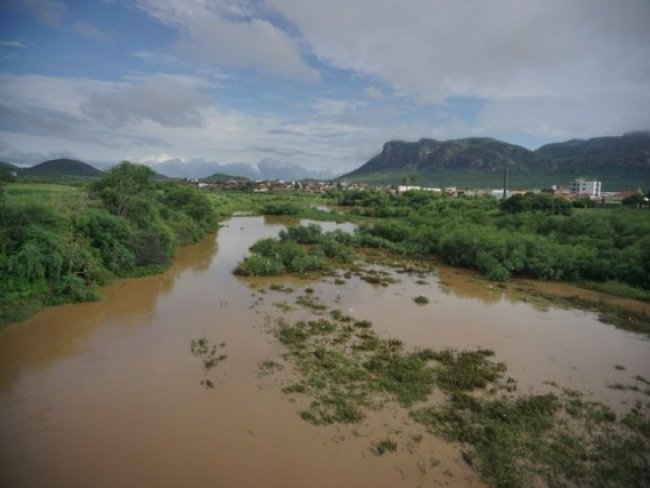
(58, 244)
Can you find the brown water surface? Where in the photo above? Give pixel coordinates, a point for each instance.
(109, 394)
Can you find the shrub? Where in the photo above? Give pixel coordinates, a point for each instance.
(256, 265)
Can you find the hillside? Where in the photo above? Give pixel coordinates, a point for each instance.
(620, 162)
(221, 177)
(63, 167)
(9, 166)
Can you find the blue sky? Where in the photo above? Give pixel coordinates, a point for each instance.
(197, 85)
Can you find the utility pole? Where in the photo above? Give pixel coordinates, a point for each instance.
(505, 183)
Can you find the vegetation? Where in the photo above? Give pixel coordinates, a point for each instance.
(299, 250)
(534, 235)
(560, 439)
(280, 204)
(58, 243)
(384, 446)
(421, 300)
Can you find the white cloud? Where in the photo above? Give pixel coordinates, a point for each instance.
(558, 118)
(49, 114)
(13, 44)
(217, 32)
(487, 49)
(164, 100)
(91, 32)
(374, 93)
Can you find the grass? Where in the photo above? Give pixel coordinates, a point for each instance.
(421, 300)
(230, 202)
(51, 194)
(618, 289)
(208, 354)
(280, 287)
(383, 446)
(466, 370)
(511, 440)
(269, 367)
(284, 306)
(310, 302)
(377, 277)
(363, 324)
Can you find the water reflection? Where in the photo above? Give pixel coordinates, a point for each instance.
(61, 331)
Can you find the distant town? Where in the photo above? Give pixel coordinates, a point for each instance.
(578, 189)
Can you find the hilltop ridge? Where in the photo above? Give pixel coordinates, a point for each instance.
(622, 162)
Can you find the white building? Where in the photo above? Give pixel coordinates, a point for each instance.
(585, 187)
(405, 188)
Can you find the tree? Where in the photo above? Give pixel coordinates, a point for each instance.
(120, 187)
(6, 176)
(636, 200)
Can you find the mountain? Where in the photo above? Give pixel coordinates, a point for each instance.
(9, 166)
(220, 177)
(63, 167)
(266, 169)
(620, 162)
(602, 155)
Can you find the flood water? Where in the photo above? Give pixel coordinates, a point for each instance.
(109, 394)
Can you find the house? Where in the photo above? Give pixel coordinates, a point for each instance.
(590, 188)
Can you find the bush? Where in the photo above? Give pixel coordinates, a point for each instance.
(111, 236)
(281, 208)
(541, 202)
(256, 265)
(309, 234)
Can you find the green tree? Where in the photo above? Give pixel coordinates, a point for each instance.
(121, 187)
(637, 200)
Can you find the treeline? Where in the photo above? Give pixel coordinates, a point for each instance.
(535, 235)
(127, 225)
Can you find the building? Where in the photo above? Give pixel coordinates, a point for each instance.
(585, 187)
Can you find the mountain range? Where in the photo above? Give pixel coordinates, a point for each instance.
(267, 169)
(56, 168)
(620, 162)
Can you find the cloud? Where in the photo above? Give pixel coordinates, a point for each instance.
(91, 32)
(50, 12)
(374, 93)
(487, 49)
(557, 118)
(13, 44)
(163, 100)
(267, 169)
(271, 169)
(36, 121)
(220, 33)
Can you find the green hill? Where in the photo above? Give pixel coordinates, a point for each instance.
(220, 177)
(620, 162)
(10, 167)
(63, 168)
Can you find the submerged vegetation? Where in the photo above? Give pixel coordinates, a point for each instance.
(58, 243)
(344, 373)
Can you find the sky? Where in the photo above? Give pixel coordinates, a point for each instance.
(194, 86)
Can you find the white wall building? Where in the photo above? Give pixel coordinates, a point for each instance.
(585, 187)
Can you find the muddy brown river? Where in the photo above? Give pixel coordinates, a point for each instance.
(109, 394)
